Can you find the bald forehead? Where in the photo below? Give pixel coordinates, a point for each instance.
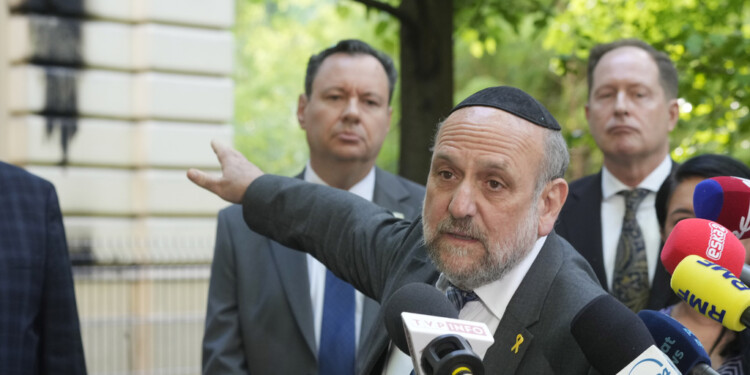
(488, 129)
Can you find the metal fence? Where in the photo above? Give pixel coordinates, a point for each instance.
(142, 319)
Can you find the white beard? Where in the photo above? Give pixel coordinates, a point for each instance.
(499, 257)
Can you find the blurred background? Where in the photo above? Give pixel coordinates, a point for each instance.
(113, 100)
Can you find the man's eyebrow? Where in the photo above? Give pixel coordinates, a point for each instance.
(493, 164)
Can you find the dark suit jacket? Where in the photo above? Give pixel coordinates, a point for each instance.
(259, 318)
(39, 328)
(378, 254)
(580, 222)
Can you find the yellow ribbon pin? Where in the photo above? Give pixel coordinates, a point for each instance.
(519, 340)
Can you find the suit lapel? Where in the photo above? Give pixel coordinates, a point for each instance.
(588, 210)
(291, 266)
(370, 310)
(389, 194)
(512, 336)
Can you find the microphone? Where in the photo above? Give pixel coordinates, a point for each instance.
(423, 323)
(704, 238)
(616, 341)
(745, 275)
(725, 200)
(678, 343)
(713, 291)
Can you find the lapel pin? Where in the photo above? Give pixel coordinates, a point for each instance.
(519, 340)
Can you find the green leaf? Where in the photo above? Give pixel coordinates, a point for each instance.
(694, 44)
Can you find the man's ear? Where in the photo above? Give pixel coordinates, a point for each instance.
(301, 105)
(550, 203)
(586, 112)
(674, 113)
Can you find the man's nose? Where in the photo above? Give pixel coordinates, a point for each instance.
(351, 111)
(621, 103)
(463, 202)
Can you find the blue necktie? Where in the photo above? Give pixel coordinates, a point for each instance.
(336, 353)
(459, 297)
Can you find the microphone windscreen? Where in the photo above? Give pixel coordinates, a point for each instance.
(711, 290)
(676, 341)
(725, 200)
(708, 199)
(417, 298)
(706, 239)
(609, 334)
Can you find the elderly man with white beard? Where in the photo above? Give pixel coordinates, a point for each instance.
(494, 191)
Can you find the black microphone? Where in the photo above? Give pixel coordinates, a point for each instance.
(615, 340)
(745, 274)
(678, 343)
(423, 323)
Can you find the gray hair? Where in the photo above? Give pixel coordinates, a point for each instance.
(554, 162)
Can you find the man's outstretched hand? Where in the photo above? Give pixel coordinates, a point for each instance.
(236, 174)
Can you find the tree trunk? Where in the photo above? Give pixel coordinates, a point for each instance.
(426, 80)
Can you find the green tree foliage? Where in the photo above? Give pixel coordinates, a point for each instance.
(540, 46)
(708, 40)
(273, 41)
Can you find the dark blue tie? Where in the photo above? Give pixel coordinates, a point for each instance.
(336, 353)
(459, 297)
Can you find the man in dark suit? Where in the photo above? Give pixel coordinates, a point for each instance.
(266, 301)
(39, 329)
(632, 108)
(494, 191)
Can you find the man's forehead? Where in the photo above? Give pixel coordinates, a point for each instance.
(625, 54)
(347, 59)
(487, 129)
(350, 70)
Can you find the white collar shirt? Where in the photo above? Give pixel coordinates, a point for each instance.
(613, 210)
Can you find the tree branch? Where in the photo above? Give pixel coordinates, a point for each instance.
(395, 12)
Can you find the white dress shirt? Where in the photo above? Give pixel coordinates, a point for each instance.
(613, 210)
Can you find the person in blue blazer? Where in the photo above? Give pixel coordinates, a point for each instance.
(39, 328)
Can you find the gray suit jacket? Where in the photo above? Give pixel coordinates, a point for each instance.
(259, 318)
(378, 254)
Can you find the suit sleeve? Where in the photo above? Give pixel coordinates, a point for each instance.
(62, 348)
(222, 344)
(359, 241)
